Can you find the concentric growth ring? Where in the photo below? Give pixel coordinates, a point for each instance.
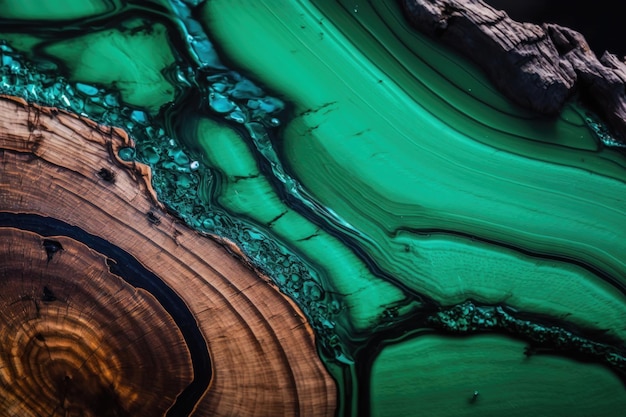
(79, 339)
(110, 304)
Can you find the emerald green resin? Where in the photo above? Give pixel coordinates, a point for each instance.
(504, 383)
(376, 177)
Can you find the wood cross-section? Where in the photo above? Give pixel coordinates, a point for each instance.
(103, 336)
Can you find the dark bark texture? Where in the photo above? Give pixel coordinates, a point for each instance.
(538, 67)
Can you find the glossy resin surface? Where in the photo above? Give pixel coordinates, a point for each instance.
(454, 253)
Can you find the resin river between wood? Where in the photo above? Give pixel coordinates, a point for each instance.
(377, 178)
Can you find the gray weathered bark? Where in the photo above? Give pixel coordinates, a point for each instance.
(538, 67)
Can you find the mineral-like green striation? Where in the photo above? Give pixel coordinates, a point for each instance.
(137, 44)
(61, 10)
(380, 181)
(462, 379)
(469, 318)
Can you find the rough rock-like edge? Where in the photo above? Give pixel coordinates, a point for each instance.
(538, 67)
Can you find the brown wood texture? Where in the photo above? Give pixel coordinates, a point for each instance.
(536, 66)
(76, 337)
(262, 350)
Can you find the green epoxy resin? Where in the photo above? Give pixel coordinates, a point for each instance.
(61, 10)
(137, 47)
(378, 179)
(449, 377)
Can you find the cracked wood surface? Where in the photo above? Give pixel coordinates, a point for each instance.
(262, 351)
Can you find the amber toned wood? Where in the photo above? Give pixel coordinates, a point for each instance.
(262, 350)
(77, 338)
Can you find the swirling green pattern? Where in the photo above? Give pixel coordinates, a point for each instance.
(376, 177)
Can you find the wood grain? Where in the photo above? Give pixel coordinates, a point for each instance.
(77, 338)
(263, 355)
